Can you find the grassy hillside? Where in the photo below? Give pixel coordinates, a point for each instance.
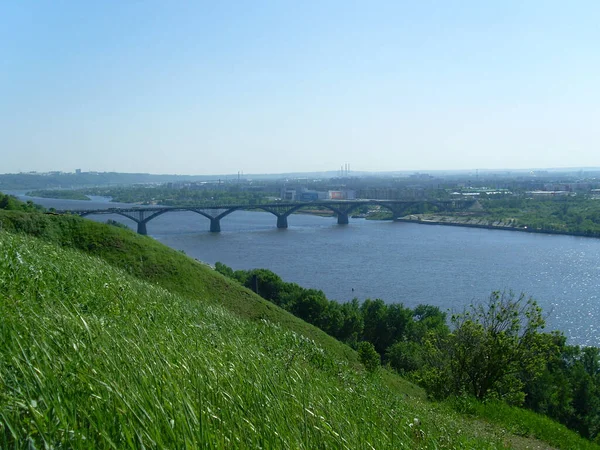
(146, 346)
(146, 258)
(92, 357)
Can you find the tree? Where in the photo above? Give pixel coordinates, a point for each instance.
(405, 356)
(269, 284)
(375, 328)
(398, 322)
(427, 318)
(492, 349)
(352, 327)
(224, 269)
(311, 307)
(368, 356)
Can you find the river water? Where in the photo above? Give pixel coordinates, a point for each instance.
(445, 266)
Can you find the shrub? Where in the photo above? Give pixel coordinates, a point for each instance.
(368, 356)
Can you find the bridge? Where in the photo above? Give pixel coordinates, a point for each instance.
(341, 208)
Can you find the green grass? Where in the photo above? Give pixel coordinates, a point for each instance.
(91, 357)
(133, 343)
(522, 422)
(148, 259)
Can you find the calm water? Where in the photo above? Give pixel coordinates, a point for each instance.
(398, 262)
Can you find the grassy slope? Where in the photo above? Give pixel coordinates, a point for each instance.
(148, 259)
(94, 358)
(186, 278)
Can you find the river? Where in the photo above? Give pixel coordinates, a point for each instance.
(445, 266)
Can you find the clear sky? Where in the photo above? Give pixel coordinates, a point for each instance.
(269, 87)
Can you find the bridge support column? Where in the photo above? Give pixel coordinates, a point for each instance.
(396, 213)
(141, 228)
(215, 225)
(342, 219)
(282, 221)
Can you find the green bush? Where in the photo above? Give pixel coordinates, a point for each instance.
(368, 356)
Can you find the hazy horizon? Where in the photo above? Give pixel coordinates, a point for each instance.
(334, 172)
(275, 88)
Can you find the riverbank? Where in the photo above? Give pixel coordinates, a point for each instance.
(58, 194)
(480, 222)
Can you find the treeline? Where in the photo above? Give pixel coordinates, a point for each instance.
(184, 196)
(352, 322)
(58, 193)
(572, 214)
(11, 203)
(491, 351)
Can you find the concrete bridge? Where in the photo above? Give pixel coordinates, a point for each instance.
(342, 209)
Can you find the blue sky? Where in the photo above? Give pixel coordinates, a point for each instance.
(270, 87)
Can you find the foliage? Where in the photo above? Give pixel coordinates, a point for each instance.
(368, 356)
(58, 193)
(405, 356)
(568, 214)
(373, 321)
(491, 349)
(498, 352)
(569, 388)
(10, 203)
(182, 196)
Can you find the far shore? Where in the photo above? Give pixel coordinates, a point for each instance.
(481, 223)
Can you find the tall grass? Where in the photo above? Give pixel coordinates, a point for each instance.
(91, 357)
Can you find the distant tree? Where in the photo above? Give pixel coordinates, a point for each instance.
(269, 284)
(427, 318)
(352, 327)
(312, 307)
(375, 327)
(398, 322)
(368, 356)
(405, 356)
(224, 269)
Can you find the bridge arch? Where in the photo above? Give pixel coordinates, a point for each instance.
(280, 211)
(215, 221)
(141, 217)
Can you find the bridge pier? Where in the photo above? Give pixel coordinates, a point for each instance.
(282, 221)
(396, 213)
(141, 228)
(215, 225)
(342, 219)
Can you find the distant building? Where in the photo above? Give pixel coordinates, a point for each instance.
(288, 194)
(342, 195)
(542, 194)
